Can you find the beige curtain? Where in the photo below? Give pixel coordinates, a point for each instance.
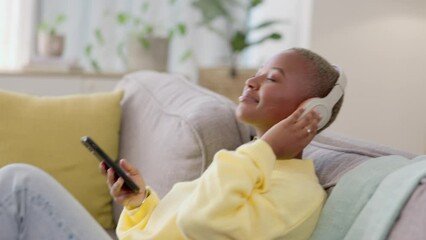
(16, 33)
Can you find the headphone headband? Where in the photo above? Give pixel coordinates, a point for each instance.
(341, 81)
(339, 88)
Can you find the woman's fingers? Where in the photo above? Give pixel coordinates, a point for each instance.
(309, 122)
(103, 168)
(115, 188)
(294, 117)
(128, 167)
(110, 177)
(312, 127)
(118, 191)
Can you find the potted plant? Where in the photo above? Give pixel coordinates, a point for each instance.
(50, 42)
(238, 33)
(237, 37)
(145, 49)
(141, 47)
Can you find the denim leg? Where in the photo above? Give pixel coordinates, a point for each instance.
(34, 206)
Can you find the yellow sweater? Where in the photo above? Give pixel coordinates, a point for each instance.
(244, 194)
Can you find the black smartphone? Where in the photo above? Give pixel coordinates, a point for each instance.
(102, 156)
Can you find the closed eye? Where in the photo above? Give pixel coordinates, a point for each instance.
(274, 75)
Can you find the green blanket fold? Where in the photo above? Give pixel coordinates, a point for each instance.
(351, 194)
(379, 214)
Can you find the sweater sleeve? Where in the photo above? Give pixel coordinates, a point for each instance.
(223, 203)
(136, 219)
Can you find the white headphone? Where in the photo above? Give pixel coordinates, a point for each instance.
(324, 106)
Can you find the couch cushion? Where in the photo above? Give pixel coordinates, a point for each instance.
(46, 131)
(335, 154)
(171, 128)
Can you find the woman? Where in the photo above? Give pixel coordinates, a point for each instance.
(260, 191)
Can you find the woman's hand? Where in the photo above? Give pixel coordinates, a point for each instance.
(122, 195)
(290, 136)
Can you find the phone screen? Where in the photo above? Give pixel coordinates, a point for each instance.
(102, 156)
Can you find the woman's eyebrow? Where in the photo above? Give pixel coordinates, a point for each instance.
(279, 70)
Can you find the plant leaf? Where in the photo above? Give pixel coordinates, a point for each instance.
(88, 50)
(239, 42)
(149, 29)
(181, 27)
(216, 31)
(211, 10)
(186, 55)
(99, 36)
(272, 36)
(275, 36)
(60, 19)
(254, 3)
(95, 65)
(44, 26)
(123, 18)
(144, 42)
(171, 34)
(121, 53)
(145, 6)
(265, 24)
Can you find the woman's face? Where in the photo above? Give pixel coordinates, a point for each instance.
(276, 90)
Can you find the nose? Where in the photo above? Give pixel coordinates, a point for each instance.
(253, 83)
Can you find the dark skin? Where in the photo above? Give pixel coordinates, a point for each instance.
(273, 94)
(270, 103)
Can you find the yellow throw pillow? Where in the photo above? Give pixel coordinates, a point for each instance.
(46, 132)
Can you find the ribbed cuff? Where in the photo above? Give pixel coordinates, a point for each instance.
(262, 155)
(146, 205)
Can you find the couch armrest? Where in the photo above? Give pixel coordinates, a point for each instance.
(335, 154)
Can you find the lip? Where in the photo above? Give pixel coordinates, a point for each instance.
(248, 97)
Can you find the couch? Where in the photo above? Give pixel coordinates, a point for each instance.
(171, 128)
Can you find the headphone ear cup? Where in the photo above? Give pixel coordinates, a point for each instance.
(321, 107)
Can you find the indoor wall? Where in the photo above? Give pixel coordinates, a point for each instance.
(381, 45)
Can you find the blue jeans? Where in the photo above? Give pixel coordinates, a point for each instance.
(34, 206)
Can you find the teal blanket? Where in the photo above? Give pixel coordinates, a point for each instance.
(366, 201)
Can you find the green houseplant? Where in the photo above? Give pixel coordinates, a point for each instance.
(237, 36)
(52, 27)
(236, 14)
(50, 42)
(142, 39)
(140, 47)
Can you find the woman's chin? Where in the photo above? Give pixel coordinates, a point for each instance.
(242, 114)
(239, 113)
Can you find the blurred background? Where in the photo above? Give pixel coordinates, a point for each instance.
(50, 47)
